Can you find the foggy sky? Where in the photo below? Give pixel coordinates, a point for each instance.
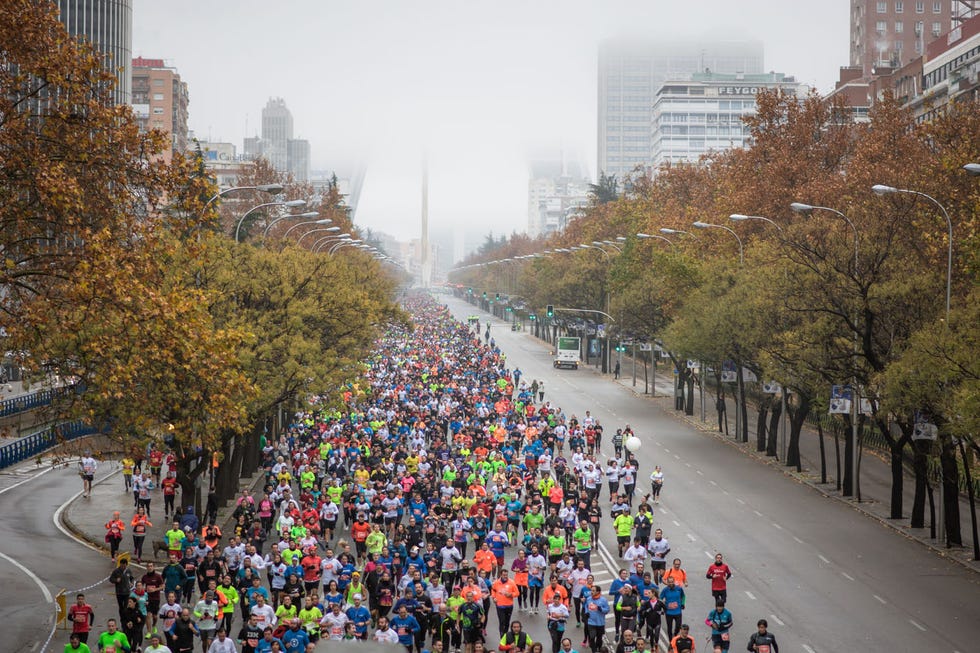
(481, 86)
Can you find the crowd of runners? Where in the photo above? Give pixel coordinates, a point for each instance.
(429, 508)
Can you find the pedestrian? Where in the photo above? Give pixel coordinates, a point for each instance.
(719, 573)
(541, 391)
(720, 621)
(597, 607)
(86, 470)
(123, 581)
(616, 370)
(763, 641)
(140, 522)
(82, 617)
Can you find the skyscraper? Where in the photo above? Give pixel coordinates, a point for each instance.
(891, 33)
(277, 144)
(108, 26)
(631, 73)
(160, 101)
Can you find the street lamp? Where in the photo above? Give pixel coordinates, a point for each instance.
(666, 240)
(272, 189)
(808, 209)
(973, 169)
(301, 224)
(738, 217)
(881, 189)
(314, 231)
(292, 216)
(290, 204)
(669, 231)
(708, 225)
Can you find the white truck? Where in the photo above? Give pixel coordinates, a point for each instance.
(567, 353)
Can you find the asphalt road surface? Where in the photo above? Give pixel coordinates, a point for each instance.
(826, 577)
(29, 501)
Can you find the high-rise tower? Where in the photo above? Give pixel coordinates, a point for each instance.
(108, 26)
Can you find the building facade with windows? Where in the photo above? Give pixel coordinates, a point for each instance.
(630, 73)
(888, 34)
(277, 144)
(704, 112)
(160, 101)
(108, 26)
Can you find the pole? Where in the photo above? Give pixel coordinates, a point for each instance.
(701, 387)
(634, 363)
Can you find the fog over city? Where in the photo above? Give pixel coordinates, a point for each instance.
(482, 87)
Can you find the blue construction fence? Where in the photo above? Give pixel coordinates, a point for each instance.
(38, 442)
(28, 402)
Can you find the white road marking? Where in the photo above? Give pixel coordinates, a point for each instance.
(700, 473)
(740, 501)
(708, 553)
(807, 648)
(725, 492)
(917, 625)
(750, 595)
(688, 464)
(880, 600)
(777, 526)
(847, 576)
(692, 538)
(777, 619)
(666, 450)
(30, 574)
(823, 558)
(715, 484)
(26, 480)
(757, 513)
(676, 523)
(798, 540)
(678, 458)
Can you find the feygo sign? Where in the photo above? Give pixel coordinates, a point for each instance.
(742, 90)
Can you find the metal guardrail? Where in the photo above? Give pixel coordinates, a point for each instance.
(31, 445)
(28, 402)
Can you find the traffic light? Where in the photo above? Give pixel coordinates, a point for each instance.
(484, 294)
(496, 297)
(469, 291)
(532, 317)
(550, 310)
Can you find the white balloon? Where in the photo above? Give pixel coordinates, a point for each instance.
(632, 443)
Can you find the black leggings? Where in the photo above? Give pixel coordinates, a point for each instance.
(673, 625)
(535, 596)
(522, 596)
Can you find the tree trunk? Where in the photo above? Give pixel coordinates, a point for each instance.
(251, 455)
(772, 432)
(849, 452)
(932, 509)
(921, 471)
(743, 414)
(760, 427)
(837, 457)
(797, 418)
(973, 507)
(951, 495)
(689, 399)
(823, 454)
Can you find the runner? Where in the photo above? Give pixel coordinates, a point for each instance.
(86, 470)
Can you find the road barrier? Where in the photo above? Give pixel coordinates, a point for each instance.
(32, 401)
(38, 442)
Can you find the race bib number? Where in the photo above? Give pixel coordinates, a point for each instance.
(672, 605)
(763, 648)
(725, 637)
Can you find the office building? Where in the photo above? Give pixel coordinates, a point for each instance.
(630, 73)
(556, 192)
(108, 26)
(891, 33)
(160, 101)
(286, 154)
(703, 112)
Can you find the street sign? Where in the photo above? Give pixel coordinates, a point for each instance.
(646, 346)
(840, 399)
(771, 388)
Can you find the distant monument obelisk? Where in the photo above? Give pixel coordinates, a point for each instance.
(426, 258)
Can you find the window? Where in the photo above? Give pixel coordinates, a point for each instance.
(158, 111)
(936, 28)
(899, 7)
(937, 7)
(158, 96)
(920, 7)
(918, 47)
(899, 27)
(880, 27)
(882, 7)
(158, 82)
(918, 28)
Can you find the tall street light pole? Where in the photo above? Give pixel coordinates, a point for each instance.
(291, 216)
(306, 224)
(272, 189)
(808, 209)
(707, 225)
(881, 189)
(290, 204)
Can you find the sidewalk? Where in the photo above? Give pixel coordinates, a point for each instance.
(875, 468)
(86, 518)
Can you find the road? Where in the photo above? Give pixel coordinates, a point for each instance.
(826, 577)
(34, 551)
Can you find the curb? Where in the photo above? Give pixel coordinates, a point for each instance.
(73, 531)
(799, 478)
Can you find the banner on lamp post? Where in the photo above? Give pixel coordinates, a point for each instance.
(840, 399)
